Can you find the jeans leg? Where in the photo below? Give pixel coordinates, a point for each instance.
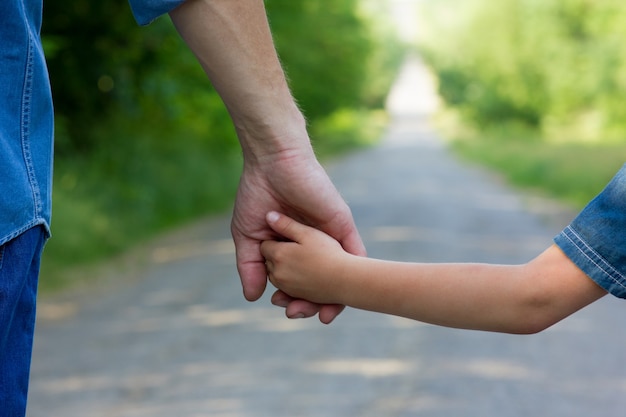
(19, 272)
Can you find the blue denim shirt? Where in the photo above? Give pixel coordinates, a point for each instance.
(596, 239)
(26, 121)
(26, 115)
(145, 11)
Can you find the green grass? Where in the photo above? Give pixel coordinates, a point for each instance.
(571, 172)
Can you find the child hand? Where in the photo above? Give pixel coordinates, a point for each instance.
(306, 267)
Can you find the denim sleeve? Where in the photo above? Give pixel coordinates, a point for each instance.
(145, 11)
(596, 239)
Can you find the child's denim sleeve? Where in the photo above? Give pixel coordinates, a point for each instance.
(145, 11)
(596, 239)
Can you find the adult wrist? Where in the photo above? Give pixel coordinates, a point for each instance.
(271, 135)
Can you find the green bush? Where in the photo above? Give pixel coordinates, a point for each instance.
(556, 66)
(143, 141)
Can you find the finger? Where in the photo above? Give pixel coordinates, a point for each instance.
(329, 312)
(281, 299)
(295, 308)
(344, 230)
(286, 226)
(267, 249)
(251, 267)
(353, 244)
(299, 309)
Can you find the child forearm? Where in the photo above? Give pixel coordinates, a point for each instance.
(505, 298)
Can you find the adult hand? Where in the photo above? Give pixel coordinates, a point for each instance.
(233, 43)
(294, 183)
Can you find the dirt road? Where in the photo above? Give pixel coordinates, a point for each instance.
(176, 338)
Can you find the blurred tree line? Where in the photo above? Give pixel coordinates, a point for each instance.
(556, 66)
(143, 140)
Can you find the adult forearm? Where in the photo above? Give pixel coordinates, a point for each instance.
(233, 43)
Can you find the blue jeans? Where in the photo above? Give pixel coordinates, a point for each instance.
(19, 271)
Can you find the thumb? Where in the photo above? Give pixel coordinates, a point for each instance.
(353, 244)
(286, 226)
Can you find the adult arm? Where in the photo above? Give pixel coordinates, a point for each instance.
(233, 43)
(504, 298)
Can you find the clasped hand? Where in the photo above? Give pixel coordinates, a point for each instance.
(293, 183)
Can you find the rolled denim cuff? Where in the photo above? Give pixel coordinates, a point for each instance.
(146, 11)
(596, 239)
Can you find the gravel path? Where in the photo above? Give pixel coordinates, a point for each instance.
(172, 336)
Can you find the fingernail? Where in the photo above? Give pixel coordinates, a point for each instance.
(272, 216)
(298, 316)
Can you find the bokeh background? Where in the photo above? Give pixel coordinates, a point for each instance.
(143, 143)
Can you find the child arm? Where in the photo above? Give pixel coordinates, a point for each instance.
(505, 298)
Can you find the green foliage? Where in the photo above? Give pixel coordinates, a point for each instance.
(100, 70)
(346, 130)
(323, 46)
(557, 66)
(386, 54)
(95, 64)
(335, 56)
(132, 186)
(143, 141)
